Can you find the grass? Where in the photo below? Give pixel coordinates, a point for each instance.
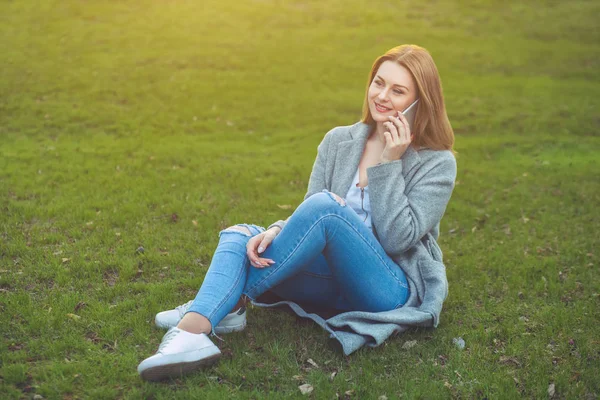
(156, 124)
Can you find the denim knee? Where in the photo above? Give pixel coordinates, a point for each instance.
(323, 200)
(254, 230)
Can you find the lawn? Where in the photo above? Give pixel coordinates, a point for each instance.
(132, 132)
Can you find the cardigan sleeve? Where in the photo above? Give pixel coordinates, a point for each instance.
(316, 182)
(400, 217)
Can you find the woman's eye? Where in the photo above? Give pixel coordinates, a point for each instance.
(378, 83)
(398, 92)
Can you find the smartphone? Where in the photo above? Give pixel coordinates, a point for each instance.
(410, 113)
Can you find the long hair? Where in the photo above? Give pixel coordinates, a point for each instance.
(431, 128)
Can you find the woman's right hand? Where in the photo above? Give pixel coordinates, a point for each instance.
(260, 242)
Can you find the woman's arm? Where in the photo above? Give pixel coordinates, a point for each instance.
(401, 219)
(316, 182)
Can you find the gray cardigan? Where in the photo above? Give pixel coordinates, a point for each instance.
(408, 199)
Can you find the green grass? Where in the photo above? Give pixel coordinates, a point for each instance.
(116, 115)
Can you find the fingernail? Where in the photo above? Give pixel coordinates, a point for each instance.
(261, 249)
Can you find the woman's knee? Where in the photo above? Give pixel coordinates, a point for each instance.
(246, 230)
(325, 199)
(235, 234)
(238, 228)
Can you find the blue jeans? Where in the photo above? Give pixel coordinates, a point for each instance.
(325, 255)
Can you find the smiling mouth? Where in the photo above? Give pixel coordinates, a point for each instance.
(381, 108)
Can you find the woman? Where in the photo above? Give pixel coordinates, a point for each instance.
(372, 255)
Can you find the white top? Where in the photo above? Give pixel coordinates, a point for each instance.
(361, 206)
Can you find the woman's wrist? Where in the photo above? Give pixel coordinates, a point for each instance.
(382, 161)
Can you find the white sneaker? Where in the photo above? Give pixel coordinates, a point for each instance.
(233, 322)
(179, 352)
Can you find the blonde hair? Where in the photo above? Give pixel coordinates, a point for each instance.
(431, 128)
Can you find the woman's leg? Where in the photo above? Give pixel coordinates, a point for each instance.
(314, 284)
(187, 347)
(224, 280)
(366, 275)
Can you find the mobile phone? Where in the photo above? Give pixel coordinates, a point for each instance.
(410, 113)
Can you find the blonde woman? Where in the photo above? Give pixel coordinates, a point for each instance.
(363, 241)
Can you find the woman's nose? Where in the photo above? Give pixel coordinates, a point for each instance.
(383, 94)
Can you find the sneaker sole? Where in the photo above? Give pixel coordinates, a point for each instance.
(162, 372)
(230, 328)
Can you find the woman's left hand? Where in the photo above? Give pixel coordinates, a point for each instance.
(258, 244)
(397, 138)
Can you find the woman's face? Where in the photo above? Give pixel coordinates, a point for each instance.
(393, 89)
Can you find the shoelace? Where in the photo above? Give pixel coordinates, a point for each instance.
(217, 336)
(183, 308)
(171, 333)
